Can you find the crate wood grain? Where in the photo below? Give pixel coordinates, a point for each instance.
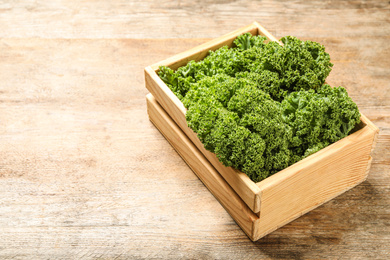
(293, 191)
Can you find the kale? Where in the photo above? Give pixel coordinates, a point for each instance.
(319, 118)
(261, 107)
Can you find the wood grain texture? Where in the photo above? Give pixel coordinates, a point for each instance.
(76, 145)
(190, 19)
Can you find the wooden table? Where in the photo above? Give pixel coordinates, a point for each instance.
(84, 174)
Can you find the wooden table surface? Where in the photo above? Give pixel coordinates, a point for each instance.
(84, 174)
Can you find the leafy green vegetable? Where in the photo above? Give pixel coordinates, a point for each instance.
(261, 107)
(319, 118)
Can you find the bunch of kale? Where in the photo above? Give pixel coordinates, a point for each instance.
(261, 107)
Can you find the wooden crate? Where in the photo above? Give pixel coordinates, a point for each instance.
(289, 193)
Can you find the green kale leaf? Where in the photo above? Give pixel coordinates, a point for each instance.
(261, 107)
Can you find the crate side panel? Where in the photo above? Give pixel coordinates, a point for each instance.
(202, 167)
(374, 128)
(315, 183)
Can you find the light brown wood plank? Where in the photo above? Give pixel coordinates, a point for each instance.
(190, 19)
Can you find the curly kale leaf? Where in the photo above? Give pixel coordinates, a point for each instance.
(299, 64)
(319, 118)
(247, 41)
(261, 107)
(267, 81)
(241, 124)
(175, 81)
(219, 88)
(277, 69)
(306, 64)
